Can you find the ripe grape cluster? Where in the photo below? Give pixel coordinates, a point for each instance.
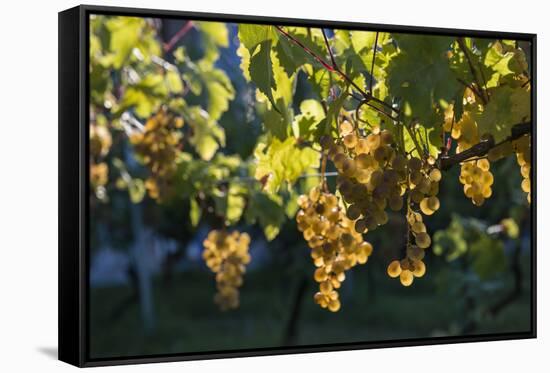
(477, 180)
(412, 265)
(100, 144)
(475, 175)
(522, 148)
(335, 245)
(372, 177)
(157, 148)
(226, 254)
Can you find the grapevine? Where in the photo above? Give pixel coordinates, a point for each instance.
(390, 114)
(226, 254)
(157, 148)
(335, 246)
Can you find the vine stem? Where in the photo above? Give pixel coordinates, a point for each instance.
(324, 185)
(482, 94)
(177, 36)
(325, 64)
(372, 64)
(415, 141)
(482, 148)
(335, 69)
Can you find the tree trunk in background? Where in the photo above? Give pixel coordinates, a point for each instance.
(291, 331)
(139, 256)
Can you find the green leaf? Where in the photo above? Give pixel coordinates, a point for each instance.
(244, 53)
(283, 161)
(328, 125)
(125, 34)
(421, 76)
(305, 124)
(292, 57)
(266, 210)
(507, 106)
(216, 31)
(488, 258)
(194, 212)
(276, 123)
(173, 81)
(136, 190)
(220, 92)
(261, 71)
(450, 242)
(207, 136)
(230, 202)
(253, 35)
(145, 96)
(284, 84)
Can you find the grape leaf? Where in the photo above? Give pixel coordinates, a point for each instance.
(195, 212)
(220, 91)
(420, 75)
(283, 161)
(208, 135)
(267, 211)
(305, 124)
(261, 71)
(508, 106)
(230, 202)
(488, 257)
(216, 31)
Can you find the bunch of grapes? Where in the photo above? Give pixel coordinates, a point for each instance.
(226, 254)
(475, 175)
(100, 140)
(371, 175)
(477, 180)
(522, 148)
(423, 185)
(157, 147)
(412, 265)
(100, 144)
(335, 245)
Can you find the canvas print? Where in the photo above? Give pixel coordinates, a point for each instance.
(262, 186)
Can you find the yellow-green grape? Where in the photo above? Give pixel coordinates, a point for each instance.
(419, 268)
(394, 269)
(362, 146)
(334, 305)
(415, 253)
(406, 277)
(345, 128)
(350, 141)
(522, 148)
(435, 175)
(335, 244)
(418, 227)
(423, 240)
(226, 254)
(429, 205)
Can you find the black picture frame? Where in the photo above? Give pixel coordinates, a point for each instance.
(73, 39)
